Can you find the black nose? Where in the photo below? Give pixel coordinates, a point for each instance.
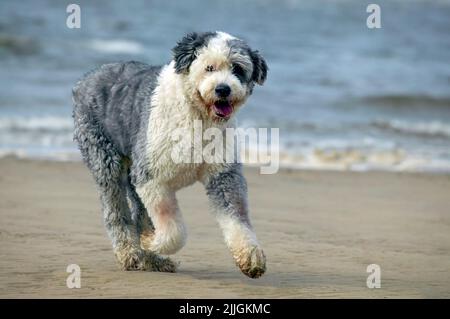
(223, 90)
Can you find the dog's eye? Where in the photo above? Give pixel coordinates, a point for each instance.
(210, 68)
(238, 71)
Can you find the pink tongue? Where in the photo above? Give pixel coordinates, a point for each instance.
(223, 110)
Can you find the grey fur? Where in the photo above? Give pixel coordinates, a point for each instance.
(113, 101)
(254, 67)
(260, 67)
(240, 52)
(227, 192)
(111, 108)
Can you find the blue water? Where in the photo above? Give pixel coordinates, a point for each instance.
(344, 96)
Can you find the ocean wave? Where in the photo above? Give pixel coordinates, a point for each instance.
(399, 100)
(364, 154)
(426, 129)
(350, 159)
(396, 160)
(19, 45)
(50, 137)
(116, 46)
(50, 154)
(346, 159)
(22, 134)
(42, 124)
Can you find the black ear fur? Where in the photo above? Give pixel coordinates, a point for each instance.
(184, 53)
(259, 67)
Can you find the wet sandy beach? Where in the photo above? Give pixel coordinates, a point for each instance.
(319, 230)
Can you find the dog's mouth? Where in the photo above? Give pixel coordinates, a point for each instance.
(222, 108)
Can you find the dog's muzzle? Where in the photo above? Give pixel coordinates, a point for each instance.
(222, 107)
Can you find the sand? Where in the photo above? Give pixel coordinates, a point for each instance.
(320, 230)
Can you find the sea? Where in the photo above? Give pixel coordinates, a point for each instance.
(344, 96)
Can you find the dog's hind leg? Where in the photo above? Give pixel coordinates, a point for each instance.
(110, 173)
(140, 217)
(119, 225)
(123, 232)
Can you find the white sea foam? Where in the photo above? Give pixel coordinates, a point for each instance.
(356, 160)
(116, 46)
(434, 128)
(45, 123)
(51, 154)
(24, 136)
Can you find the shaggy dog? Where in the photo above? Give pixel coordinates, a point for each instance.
(124, 115)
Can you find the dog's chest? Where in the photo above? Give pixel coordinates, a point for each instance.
(171, 151)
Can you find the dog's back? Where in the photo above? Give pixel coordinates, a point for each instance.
(112, 98)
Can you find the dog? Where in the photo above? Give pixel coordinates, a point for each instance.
(124, 114)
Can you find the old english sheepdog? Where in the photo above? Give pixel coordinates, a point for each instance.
(124, 114)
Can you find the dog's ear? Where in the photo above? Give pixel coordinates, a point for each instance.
(259, 67)
(184, 53)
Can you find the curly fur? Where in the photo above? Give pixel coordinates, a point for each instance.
(124, 114)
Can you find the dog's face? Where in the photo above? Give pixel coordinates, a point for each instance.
(220, 72)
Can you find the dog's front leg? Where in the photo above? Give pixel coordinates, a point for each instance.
(227, 191)
(169, 234)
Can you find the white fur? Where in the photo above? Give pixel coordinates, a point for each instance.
(238, 236)
(170, 231)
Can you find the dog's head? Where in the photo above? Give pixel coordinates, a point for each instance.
(220, 72)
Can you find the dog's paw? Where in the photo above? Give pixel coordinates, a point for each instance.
(253, 264)
(129, 258)
(140, 260)
(154, 262)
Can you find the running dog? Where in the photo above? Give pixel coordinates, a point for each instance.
(124, 114)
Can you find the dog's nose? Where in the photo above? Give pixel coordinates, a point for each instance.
(223, 90)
